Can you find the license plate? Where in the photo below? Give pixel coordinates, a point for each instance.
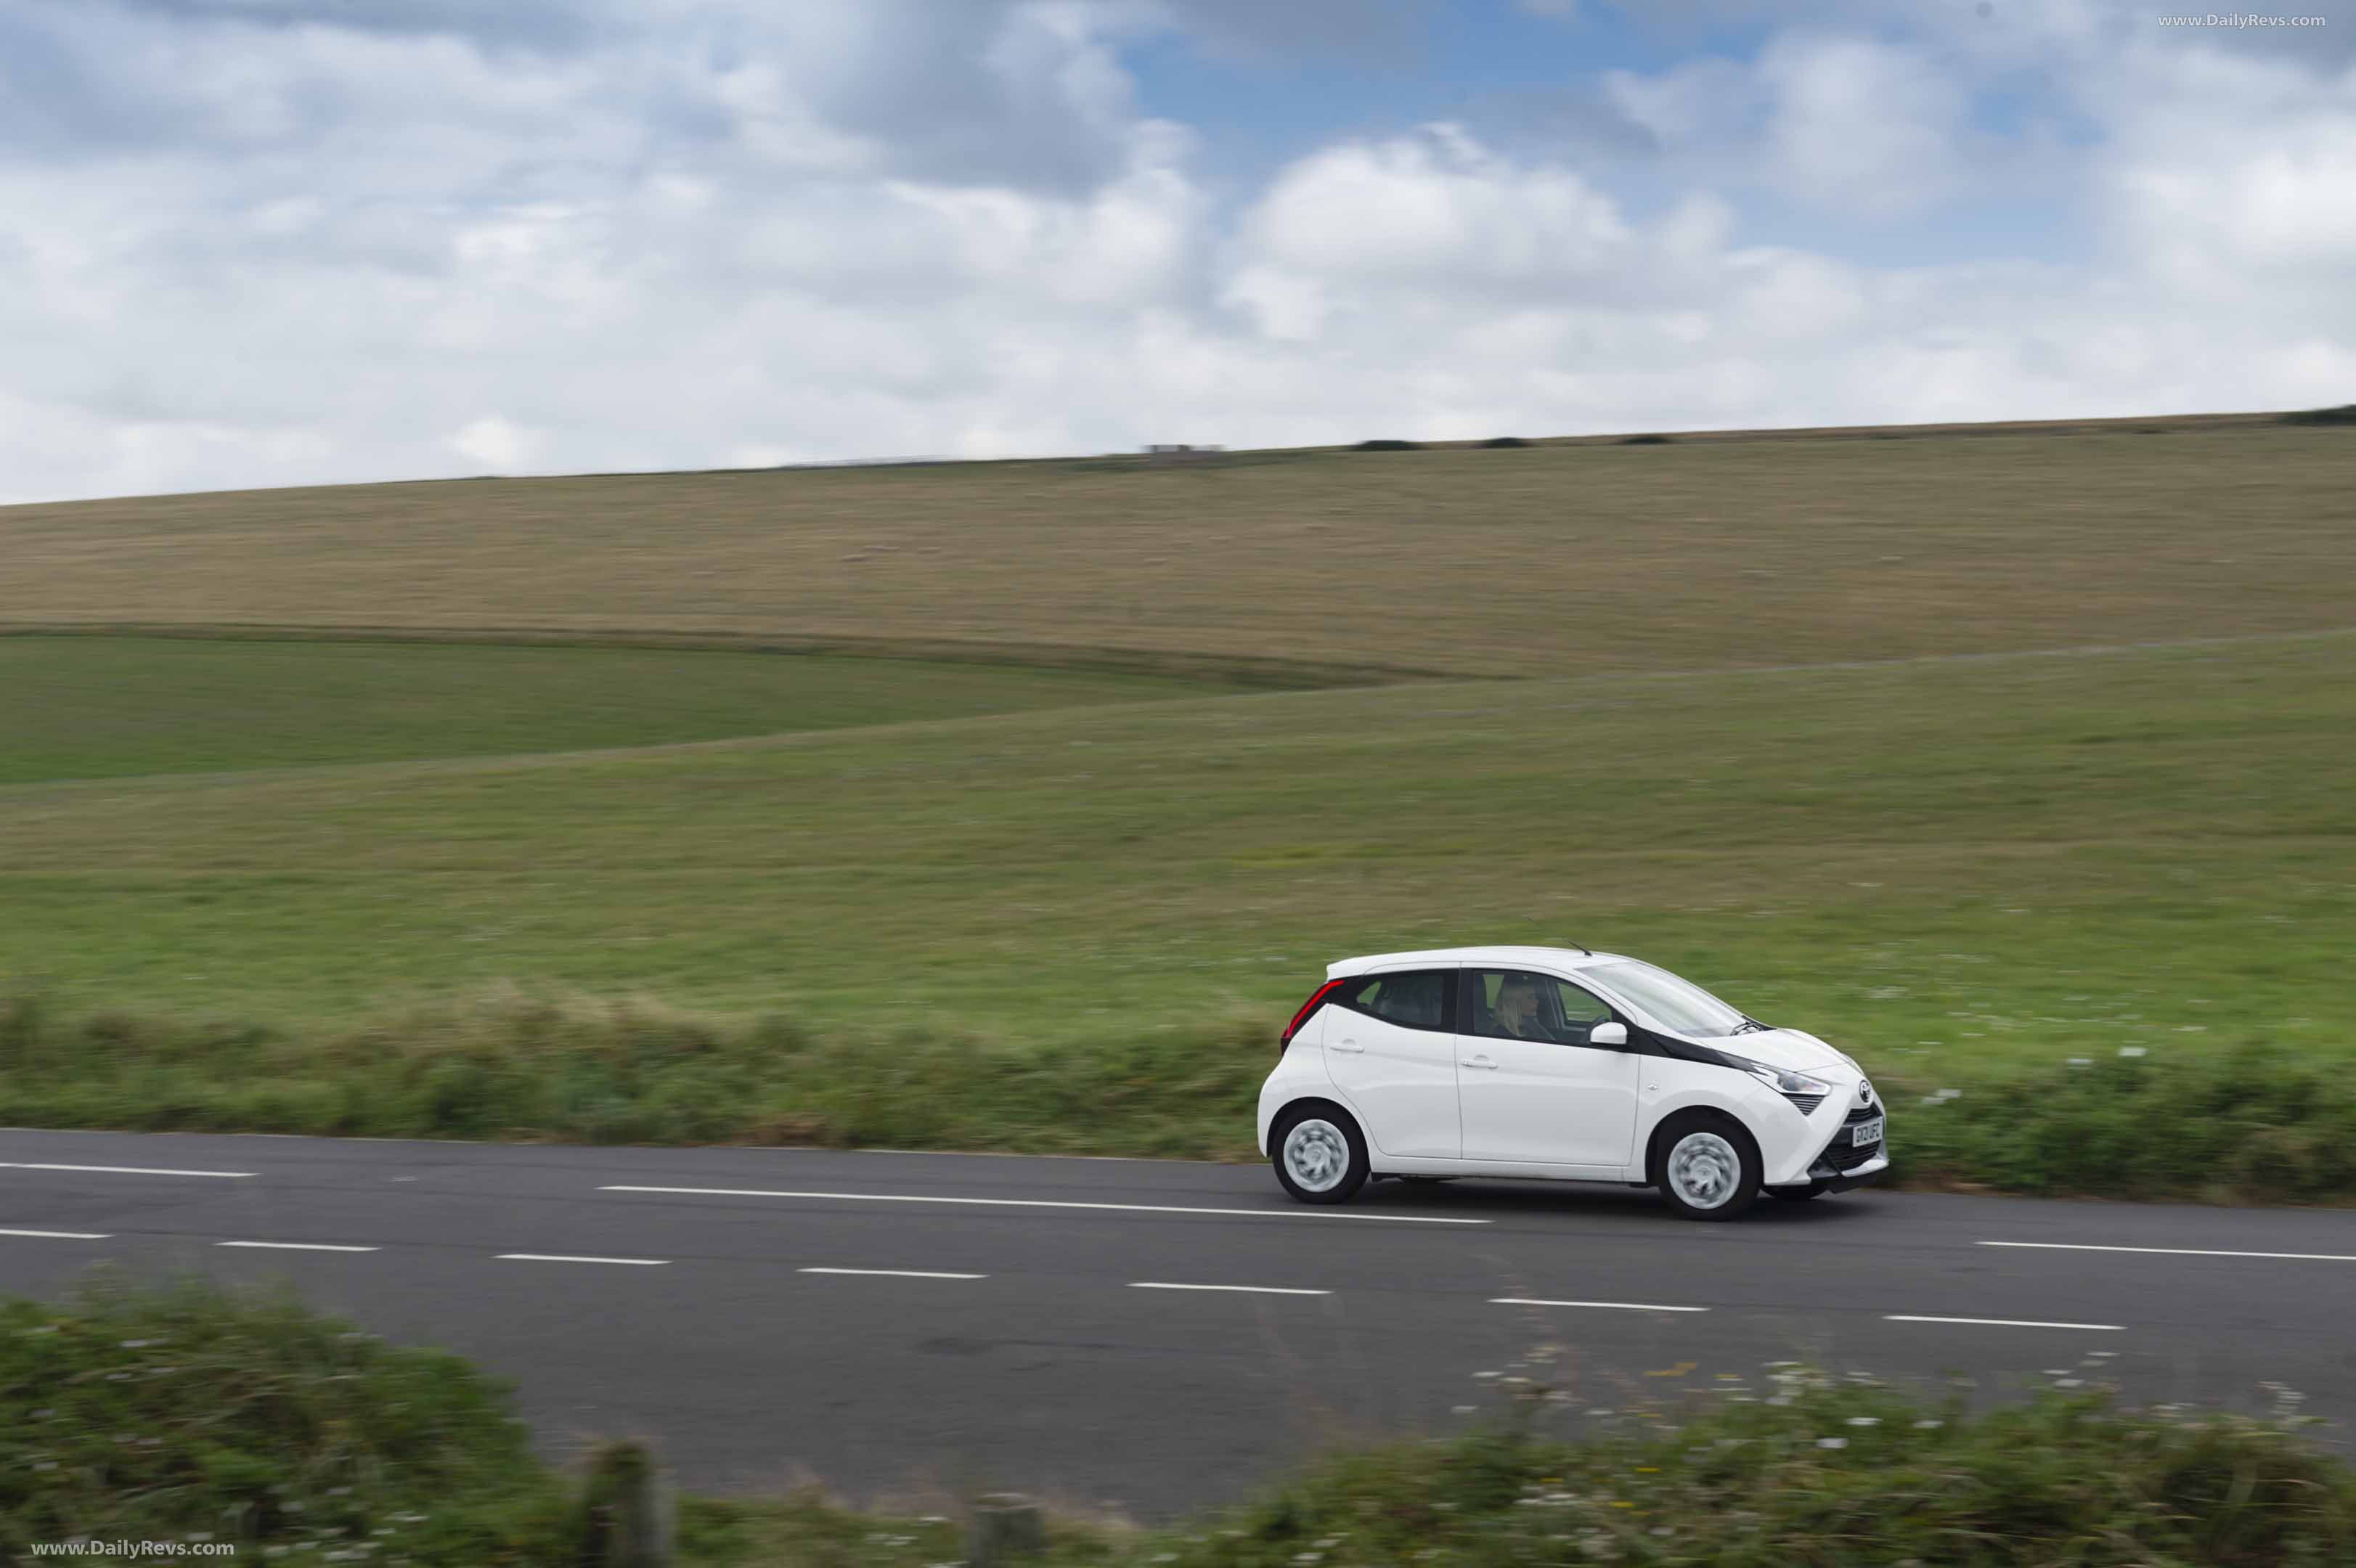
(1865, 1132)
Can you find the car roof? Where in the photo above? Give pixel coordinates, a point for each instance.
(1556, 958)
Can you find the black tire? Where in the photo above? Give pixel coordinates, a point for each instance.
(1339, 1129)
(1740, 1183)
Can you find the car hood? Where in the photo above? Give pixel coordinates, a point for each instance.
(1791, 1048)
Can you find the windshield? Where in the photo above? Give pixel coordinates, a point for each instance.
(1679, 1006)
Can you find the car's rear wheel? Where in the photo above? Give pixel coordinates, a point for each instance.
(1320, 1155)
(1706, 1167)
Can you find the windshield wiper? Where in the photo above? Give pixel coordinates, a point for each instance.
(1751, 1026)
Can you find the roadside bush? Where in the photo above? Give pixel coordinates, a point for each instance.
(514, 1065)
(1388, 446)
(1825, 1473)
(2251, 1124)
(1811, 1475)
(195, 1414)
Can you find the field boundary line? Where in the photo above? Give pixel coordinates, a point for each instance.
(512, 760)
(1267, 673)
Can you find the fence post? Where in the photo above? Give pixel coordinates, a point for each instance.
(626, 1518)
(1005, 1527)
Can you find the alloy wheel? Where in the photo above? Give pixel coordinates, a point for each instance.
(1703, 1170)
(1316, 1155)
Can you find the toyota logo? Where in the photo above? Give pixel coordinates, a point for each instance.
(1864, 1093)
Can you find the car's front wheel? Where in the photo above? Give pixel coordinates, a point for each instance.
(1706, 1165)
(1320, 1155)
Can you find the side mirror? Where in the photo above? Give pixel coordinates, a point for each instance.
(1608, 1034)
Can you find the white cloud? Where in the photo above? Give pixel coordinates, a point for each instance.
(1861, 124)
(2224, 166)
(1842, 124)
(1435, 203)
(499, 445)
(247, 252)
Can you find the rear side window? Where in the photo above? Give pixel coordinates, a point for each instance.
(1411, 998)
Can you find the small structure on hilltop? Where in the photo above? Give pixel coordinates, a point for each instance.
(1179, 452)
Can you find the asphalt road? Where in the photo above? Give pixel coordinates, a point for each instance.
(1155, 1335)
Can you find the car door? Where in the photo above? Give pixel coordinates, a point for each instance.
(1390, 1046)
(1530, 1090)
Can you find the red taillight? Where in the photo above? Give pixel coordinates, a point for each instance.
(1316, 998)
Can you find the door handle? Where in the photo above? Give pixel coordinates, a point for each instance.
(1480, 1061)
(1348, 1045)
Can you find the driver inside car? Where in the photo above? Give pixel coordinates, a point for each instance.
(1515, 1016)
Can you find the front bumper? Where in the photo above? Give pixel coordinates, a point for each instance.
(1833, 1180)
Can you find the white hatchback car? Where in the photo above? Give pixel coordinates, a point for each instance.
(1558, 1064)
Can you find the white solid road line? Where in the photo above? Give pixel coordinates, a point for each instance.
(565, 1258)
(2007, 1323)
(61, 1235)
(2178, 1251)
(1248, 1289)
(118, 1169)
(895, 1273)
(1048, 1203)
(296, 1246)
(1616, 1306)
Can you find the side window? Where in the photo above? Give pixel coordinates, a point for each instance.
(1514, 1004)
(1413, 998)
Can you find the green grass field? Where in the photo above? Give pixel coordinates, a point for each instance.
(1956, 870)
(1971, 871)
(87, 708)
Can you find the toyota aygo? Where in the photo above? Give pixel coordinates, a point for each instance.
(1558, 1064)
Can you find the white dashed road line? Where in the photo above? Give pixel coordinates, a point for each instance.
(2007, 1323)
(1613, 1306)
(2177, 1252)
(565, 1258)
(61, 1235)
(1048, 1203)
(121, 1169)
(296, 1246)
(894, 1273)
(1248, 1289)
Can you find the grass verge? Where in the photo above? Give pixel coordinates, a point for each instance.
(194, 1414)
(2247, 1124)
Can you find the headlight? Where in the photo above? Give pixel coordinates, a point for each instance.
(1786, 1082)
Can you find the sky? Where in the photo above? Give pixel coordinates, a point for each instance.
(265, 242)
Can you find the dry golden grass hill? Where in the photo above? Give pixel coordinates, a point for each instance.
(1560, 558)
